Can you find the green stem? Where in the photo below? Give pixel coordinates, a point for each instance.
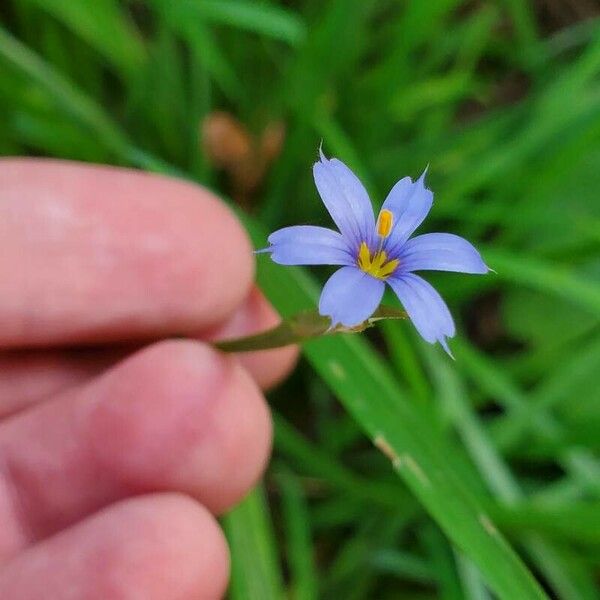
(301, 327)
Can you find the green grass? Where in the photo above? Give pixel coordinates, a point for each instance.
(397, 472)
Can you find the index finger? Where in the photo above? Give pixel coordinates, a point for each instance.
(93, 254)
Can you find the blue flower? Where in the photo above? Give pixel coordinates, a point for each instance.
(375, 252)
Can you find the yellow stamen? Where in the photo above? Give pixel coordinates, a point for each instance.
(364, 257)
(376, 265)
(384, 223)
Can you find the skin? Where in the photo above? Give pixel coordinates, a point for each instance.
(118, 445)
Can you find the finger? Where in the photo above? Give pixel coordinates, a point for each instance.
(95, 254)
(267, 367)
(176, 416)
(28, 377)
(159, 547)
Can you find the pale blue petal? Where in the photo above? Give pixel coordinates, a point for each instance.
(350, 297)
(357, 197)
(292, 254)
(309, 245)
(425, 307)
(308, 234)
(346, 200)
(441, 252)
(409, 202)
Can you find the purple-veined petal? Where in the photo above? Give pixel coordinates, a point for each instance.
(357, 196)
(441, 252)
(425, 307)
(350, 296)
(308, 234)
(292, 254)
(409, 202)
(309, 245)
(346, 199)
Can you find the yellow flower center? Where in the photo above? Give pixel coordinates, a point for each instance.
(377, 265)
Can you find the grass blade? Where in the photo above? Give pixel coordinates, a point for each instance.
(303, 576)
(259, 17)
(109, 31)
(255, 569)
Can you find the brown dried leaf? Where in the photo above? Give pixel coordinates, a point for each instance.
(225, 139)
(229, 146)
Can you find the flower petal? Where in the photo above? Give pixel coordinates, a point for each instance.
(345, 198)
(308, 245)
(308, 234)
(350, 296)
(409, 202)
(441, 252)
(425, 307)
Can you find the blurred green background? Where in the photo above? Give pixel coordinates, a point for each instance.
(397, 473)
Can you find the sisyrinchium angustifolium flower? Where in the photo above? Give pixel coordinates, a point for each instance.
(373, 252)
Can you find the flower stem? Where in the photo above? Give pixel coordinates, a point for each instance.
(300, 328)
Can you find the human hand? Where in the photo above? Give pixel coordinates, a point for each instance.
(114, 459)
